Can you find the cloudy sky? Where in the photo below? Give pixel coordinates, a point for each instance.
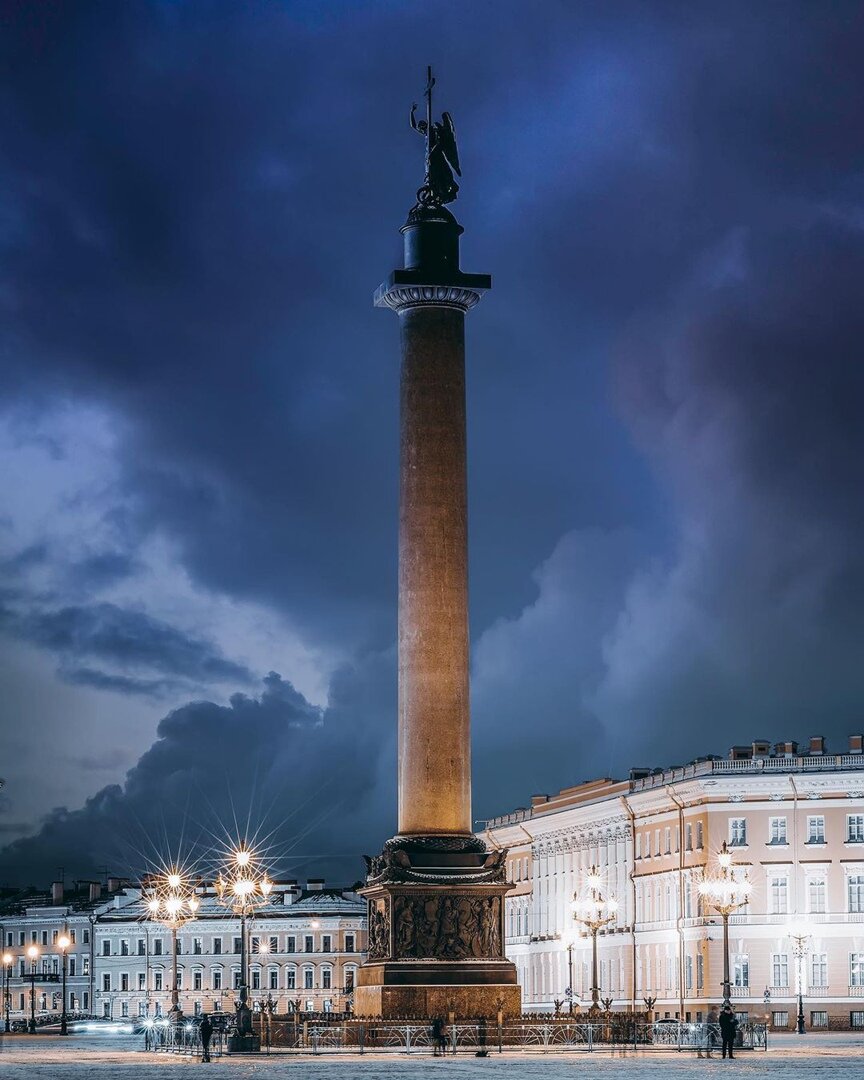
(198, 403)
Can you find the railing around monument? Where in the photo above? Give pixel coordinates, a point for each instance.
(529, 1035)
(183, 1038)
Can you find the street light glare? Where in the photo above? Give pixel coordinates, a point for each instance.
(7, 958)
(242, 857)
(175, 881)
(32, 952)
(64, 942)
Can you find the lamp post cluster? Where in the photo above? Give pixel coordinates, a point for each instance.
(243, 886)
(725, 892)
(172, 901)
(593, 911)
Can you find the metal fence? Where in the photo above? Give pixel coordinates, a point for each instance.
(183, 1038)
(529, 1036)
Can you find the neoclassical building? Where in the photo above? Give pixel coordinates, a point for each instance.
(793, 819)
(304, 950)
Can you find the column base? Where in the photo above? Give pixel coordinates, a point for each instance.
(436, 932)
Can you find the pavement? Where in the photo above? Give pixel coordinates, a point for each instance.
(826, 1056)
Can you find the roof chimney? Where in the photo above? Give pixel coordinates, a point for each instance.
(115, 884)
(817, 744)
(57, 893)
(315, 884)
(639, 774)
(95, 891)
(856, 744)
(786, 749)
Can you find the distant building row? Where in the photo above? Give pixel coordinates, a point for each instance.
(305, 947)
(793, 818)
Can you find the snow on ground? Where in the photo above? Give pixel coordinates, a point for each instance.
(823, 1057)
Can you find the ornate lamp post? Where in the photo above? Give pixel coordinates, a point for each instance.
(800, 939)
(8, 959)
(171, 901)
(725, 893)
(243, 886)
(594, 911)
(33, 956)
(64, 941)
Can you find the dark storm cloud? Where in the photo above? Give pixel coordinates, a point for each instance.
(275, 759)
(196, 205)
(129, 639)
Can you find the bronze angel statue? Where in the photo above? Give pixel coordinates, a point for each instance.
(442, 158)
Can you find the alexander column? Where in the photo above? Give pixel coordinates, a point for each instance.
(435, 895)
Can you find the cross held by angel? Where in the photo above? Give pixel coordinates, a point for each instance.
(442, 154)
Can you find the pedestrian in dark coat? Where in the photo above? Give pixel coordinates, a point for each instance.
(728, 1028)
(206, 1032)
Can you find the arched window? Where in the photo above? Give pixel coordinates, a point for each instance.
(273, 978)
(291, 977)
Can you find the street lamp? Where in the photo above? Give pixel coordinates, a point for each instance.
(570, 991)
(33, 955)
(7, 975)
(725, 894)
(64, 941)
(800, 938)
(243, 886)
(171, 900)
(594, 911)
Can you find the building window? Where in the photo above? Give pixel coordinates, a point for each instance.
(688, 836)
(818, 1018)
(855, 892)
(856, 969)
(819, 969)
(197, 946)
(816, 829)
(699, 836)
(291, 979)
(741, 970)
(737, 832)
(638, 845)
(855, 828)
(308, 944)
(54, 935)
(656, 841)
(779, 1019)
(142, 946)
(647, 844)
(856, 1019)
(816, 895)
(157, 981)
(777, 831)
(106, 981)
(238, 942)
(274, 979)
(256, 979)
(85, 937)
(157, 947)
(274, 944)
(178, 946)
(235, 972)
(217, 946)
(326, 979)
(349, 978)
(255, 945)
(142, 1009)
(124, 947)
(778, 893)
(349, 943)
(326, 943)
(291, 944)
(197, 980)
(106, 947)
(142, 980)
(307, 978)
(779, 969)
(85, 965)
(217, 978)
(688, 972)
(667, 841)
(124, 983)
